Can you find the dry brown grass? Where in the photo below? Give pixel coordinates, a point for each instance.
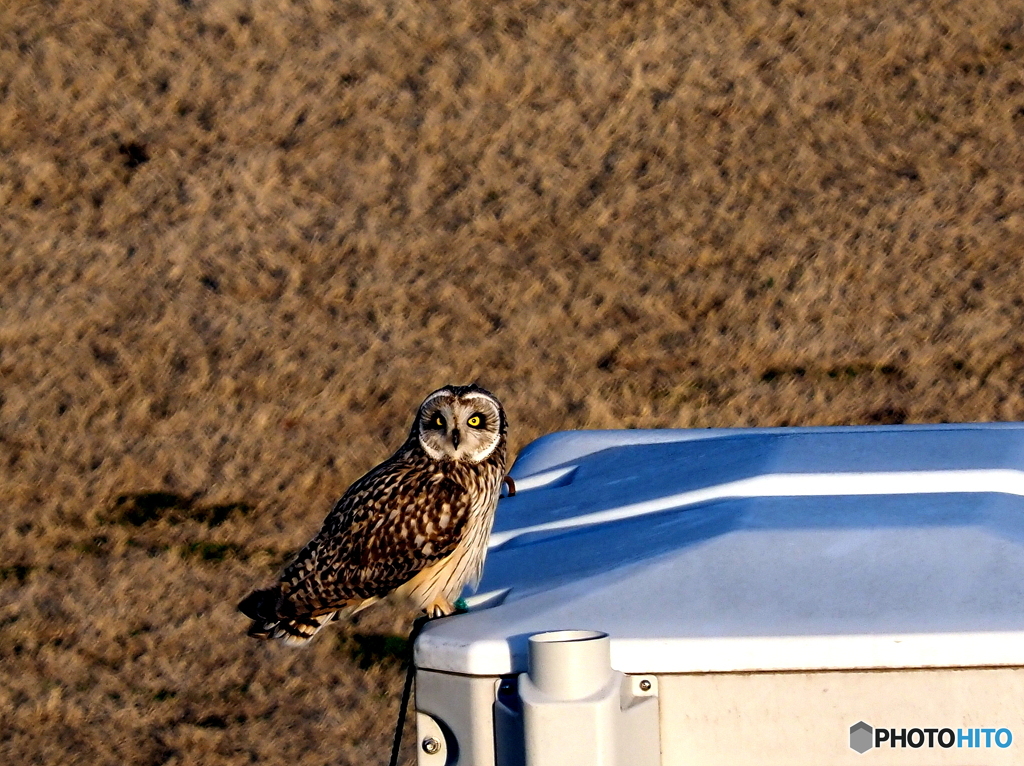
(239, 241)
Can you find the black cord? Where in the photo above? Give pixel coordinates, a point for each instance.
(410, 673)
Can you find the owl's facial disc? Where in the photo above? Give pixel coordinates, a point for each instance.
(464, 427)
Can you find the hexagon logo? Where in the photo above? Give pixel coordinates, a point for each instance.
(861, 737)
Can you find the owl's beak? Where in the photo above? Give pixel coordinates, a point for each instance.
(455, 438)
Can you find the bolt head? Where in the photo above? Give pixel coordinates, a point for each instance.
(430, 746)
(645, 685)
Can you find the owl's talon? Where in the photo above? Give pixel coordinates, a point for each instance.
(510, 483)
(442, 607)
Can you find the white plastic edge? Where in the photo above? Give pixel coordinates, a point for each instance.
(490, 657)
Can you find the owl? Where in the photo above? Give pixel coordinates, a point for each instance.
(415, 527)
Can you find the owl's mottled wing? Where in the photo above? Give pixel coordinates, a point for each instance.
(391, 524)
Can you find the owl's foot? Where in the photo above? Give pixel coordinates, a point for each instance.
(439, 607)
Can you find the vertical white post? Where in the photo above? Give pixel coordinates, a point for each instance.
(570, 664)
(570, 699)
(578, 711)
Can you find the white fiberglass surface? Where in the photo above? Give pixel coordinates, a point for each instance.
(742, 463)
(826, 548)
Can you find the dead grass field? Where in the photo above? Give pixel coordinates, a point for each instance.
(239, 242)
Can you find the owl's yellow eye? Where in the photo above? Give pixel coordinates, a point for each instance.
(438, 421)
(475, 421)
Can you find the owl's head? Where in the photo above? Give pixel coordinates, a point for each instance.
(462, 423)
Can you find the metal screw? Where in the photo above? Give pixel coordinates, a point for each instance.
(645, 685)
(430, 746)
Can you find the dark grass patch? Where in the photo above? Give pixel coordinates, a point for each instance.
(886, 416)
(836, 372)
(141, 508)
(134, 153)
(212, 722)
(152, 548)
(373, 649)
(211, 553)
(97, 545)
(17, 572)
(772, 373)
(207, 551)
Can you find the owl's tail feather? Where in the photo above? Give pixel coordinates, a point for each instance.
(262, 607)
(298, 631)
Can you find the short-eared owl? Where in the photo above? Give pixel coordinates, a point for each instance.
(416, 526)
